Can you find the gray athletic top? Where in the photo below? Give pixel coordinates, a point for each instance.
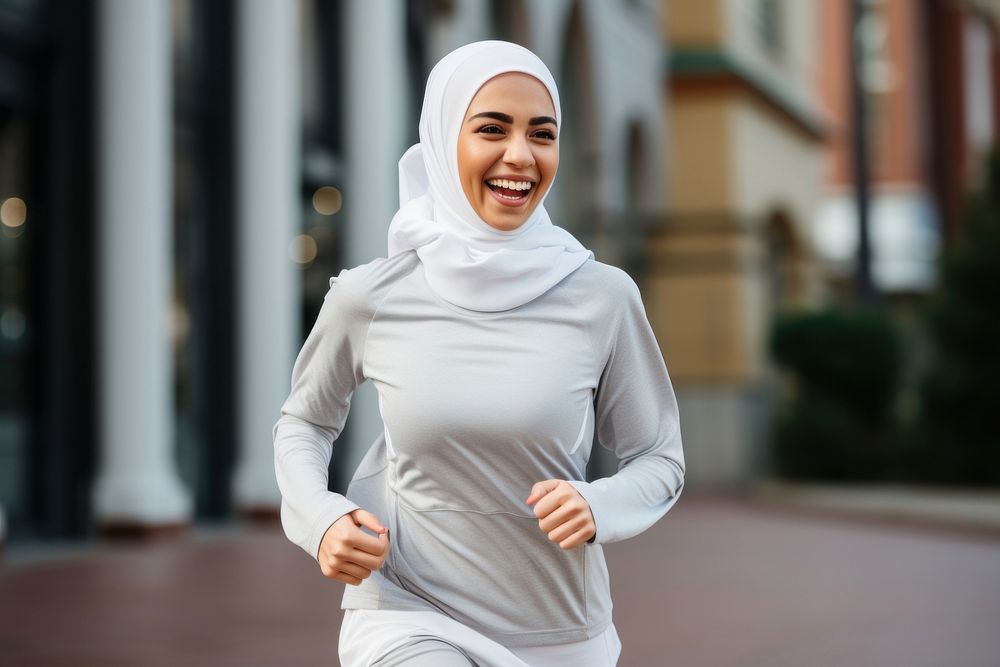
(477, 408)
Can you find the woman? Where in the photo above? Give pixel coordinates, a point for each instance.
(498, 345)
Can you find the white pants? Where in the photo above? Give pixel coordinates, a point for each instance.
(387, 638)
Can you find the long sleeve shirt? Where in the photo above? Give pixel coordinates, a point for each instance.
(477, 408)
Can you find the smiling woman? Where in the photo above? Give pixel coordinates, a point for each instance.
(499, 347)
(508, 150)
(491, 111)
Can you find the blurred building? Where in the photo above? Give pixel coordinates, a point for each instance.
(761, 194)
(180, 179)
(744, 173)
(929, 76)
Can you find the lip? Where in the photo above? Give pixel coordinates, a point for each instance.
(512, 203)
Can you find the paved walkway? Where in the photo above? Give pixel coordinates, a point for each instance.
(963, 510)
(721, 581)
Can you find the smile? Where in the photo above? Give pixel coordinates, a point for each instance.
(509, 192)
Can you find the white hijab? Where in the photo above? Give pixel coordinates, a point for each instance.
(467, 262)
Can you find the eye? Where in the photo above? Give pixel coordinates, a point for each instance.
(545, 134)
(490, 129)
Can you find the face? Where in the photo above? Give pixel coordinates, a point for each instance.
(507, 149)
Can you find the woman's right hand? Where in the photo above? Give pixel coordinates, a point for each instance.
(347, 553)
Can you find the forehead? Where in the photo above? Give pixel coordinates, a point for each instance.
(514, 93)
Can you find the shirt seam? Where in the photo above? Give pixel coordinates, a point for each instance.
(616, 334)
(370, 475)
(593, 344)
(545, 631)
(468, 511)
(375, 312)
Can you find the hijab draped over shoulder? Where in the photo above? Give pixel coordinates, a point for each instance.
(466, 261)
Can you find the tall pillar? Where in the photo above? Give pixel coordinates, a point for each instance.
(137, 484)
(703, 294)
(379, 121)
(267, 218)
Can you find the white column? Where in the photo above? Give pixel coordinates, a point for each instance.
(378, 122)
(137, 483)
(268, 217)
(467, 21)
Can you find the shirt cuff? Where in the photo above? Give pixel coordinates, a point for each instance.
(335, 507)
(590, 494)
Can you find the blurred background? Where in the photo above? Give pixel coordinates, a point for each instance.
(806, 192)
(179, 180)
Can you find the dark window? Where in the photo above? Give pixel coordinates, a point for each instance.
(768, 25)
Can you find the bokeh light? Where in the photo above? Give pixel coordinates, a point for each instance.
(13, 212)
(303, 249)
(327, 200)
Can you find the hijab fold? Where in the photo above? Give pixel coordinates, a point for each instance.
(466, 261)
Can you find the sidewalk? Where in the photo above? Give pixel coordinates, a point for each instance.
(962, 510)
(721, 581)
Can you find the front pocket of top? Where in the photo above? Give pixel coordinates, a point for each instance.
(498, 572)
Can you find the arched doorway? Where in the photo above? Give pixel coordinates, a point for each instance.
(783, 261)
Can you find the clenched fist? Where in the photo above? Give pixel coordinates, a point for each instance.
(347, 553)
(562, 512)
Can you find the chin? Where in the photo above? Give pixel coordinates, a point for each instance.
(508, 222)
(505, 225)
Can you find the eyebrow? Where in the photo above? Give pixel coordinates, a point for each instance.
(504, 118)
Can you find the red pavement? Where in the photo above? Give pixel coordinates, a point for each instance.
(718, 582)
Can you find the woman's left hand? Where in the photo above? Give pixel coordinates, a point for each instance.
(562, 512)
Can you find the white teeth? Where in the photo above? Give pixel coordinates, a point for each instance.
(510, 185)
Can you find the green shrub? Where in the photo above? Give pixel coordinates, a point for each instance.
(846, 367)
(958, 439)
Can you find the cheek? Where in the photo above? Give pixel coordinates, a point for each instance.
(554, 164)
(472, 164)
(467, 171)
(548, 164)
(463, 161)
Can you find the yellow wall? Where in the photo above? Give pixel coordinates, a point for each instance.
(697, 300)
(699, 177)
(693, 22)
(734, 165)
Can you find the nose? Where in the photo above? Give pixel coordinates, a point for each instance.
(519, 153)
